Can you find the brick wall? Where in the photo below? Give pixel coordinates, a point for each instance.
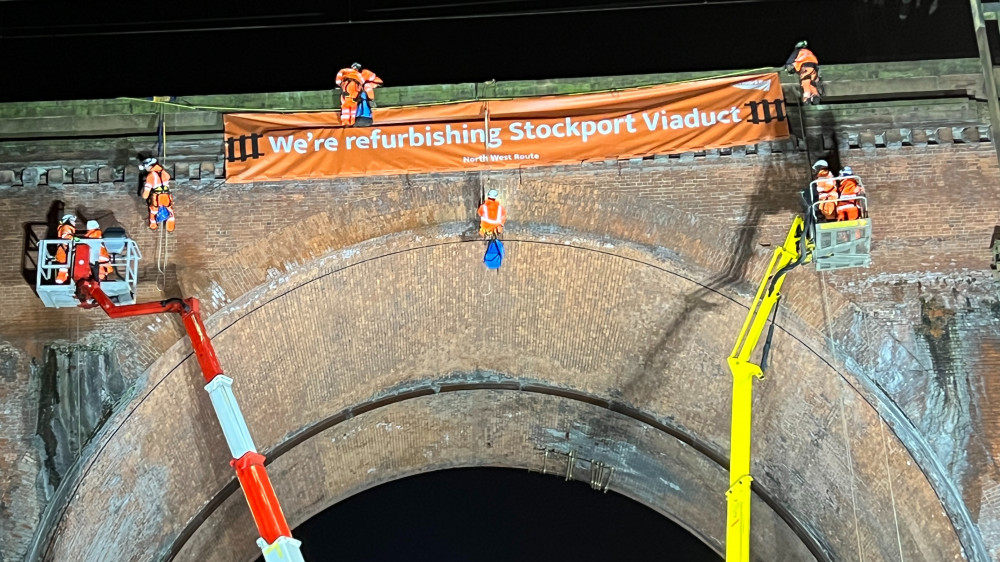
(236, 244)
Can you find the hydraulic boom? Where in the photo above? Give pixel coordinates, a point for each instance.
(792, 253)
(276, 540)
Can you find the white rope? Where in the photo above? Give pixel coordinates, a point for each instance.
(161, 246)
(161, 258)
(79, 405)
(892, 496)
(843, 415)
(850, 463)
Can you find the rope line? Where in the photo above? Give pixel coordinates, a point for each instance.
(79, 398)
(805, 140)
(888, 477)
(486, 281)
(850, 464)
(430, 104)
(162, 252)
(843, 415)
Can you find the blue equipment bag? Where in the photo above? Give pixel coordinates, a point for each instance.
(162, 214)
(364, 106)
(494, 254)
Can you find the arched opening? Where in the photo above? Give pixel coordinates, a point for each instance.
(494, 514)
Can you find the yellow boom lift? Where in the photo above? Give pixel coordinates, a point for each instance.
(828, 245)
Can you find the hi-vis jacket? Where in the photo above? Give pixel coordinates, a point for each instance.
(492, 214)
(802, 57)
(156, 180)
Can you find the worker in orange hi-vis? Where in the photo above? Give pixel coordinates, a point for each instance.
(849, 204)
(104, 269)
(369, 82)
(805, 63)
(492, 215)
(356, 85)
(826, 190)
(66, 231)
(156, 192)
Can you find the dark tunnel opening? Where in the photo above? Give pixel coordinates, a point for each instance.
(493, 514)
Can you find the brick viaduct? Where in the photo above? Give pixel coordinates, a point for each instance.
(368, 343)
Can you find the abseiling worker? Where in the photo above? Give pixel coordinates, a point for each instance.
(805, 63)
(156, 192)
(492, 215)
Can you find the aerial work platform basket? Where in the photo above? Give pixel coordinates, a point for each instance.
(120, 268)
(840, 244)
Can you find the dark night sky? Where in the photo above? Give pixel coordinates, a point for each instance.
(74, 50)
(493, 514)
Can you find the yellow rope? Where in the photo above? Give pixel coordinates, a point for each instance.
(429, 104)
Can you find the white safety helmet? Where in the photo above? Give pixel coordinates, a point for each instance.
(68, 219)
(801, 44)
(493, 194)
(847, 171)
(356, 66)
(820, 164)
(93, 225)
(147, 164)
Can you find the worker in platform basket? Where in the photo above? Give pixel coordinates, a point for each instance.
(848, 205)
(803, 62)
(94, 232)
(826, 190)
(66, 231)
(357, 91)
(156, 192)
(492, 215)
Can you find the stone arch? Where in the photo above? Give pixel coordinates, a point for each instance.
(610, 345)
(529, 428)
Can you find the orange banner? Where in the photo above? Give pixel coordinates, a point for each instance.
(478, 135)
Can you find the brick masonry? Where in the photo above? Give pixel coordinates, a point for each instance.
(916, 336)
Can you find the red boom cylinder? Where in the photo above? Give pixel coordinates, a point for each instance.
(203, 350)
(263, 502)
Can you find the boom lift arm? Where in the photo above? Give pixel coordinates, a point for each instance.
(831, 245)
(795, 251)
(276, 540)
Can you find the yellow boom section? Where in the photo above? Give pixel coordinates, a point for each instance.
(744, 371)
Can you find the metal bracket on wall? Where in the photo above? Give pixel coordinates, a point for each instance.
(598, 481)
(600, 473)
